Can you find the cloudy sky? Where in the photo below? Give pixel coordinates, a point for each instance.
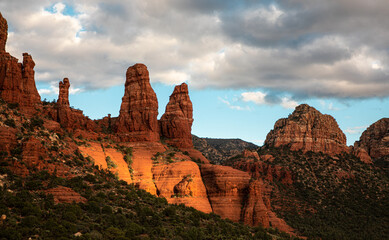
(248, 63)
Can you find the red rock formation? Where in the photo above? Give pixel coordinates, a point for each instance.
(375, 140)
(307, 129)
(176, 122)
(7, 139)
(17, 83)
(68, 117)
(181, 182)
(63, 96)
(3, 33)
(250, 154)
(33, 152)
(65, 195)
(137, 120)
(362, 154)
(226, 188)
(255, 212)
(263, 170)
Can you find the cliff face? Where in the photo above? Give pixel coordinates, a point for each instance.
(17, 83)
(176, 122)
(137, 120)
(3, 33)
(307, 129)
(375, 140)
(226, 188)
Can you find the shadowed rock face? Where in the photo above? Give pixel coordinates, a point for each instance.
(307, 129)
(137, 120)
(375, 140)
(226, 188)
(17, 83)
(3, 33)
(176, 122)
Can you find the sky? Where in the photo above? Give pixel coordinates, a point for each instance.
(247, 63)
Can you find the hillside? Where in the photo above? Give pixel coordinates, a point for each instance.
(218, 150)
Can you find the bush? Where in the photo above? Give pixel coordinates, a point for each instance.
(10, 122)
(13, 105)
(110, 163)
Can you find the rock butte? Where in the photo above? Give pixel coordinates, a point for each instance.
(307, 129)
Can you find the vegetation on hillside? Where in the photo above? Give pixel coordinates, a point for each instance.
(336, 197)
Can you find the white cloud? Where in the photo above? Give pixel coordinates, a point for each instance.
(288, 103)
(54, 90)
(255, 97)
(355, 130)
(261, 98)
(233, 106)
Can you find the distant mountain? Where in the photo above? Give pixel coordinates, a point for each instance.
(218, 150)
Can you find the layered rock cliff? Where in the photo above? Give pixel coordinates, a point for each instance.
(137, 120)
(307, 129)
(3, 33)
(227, 189)
(176, 122)
(375, 139)
(17, 83)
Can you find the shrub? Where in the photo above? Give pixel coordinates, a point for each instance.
(110, 163)
(10, 122)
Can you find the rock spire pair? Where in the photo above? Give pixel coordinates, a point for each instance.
(137, 120)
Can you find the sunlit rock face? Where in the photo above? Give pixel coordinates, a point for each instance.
(176, 122)
(137, 120)
(307, 129)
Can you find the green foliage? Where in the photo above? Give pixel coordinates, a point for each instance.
(333, 197)
(13, 105)
(10, 122)
(117, 211)
(110, 163)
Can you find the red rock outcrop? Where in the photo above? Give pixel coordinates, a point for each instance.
(181, 182)
(63, 96)
(7, 139)
(65, 195)
(68, 117)
(255, 212)
(226, 188)
(307, 129)
(17, 83)
(176, 122)
(375, 139)
(247, 154)
(3, 33)
(137, 120)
